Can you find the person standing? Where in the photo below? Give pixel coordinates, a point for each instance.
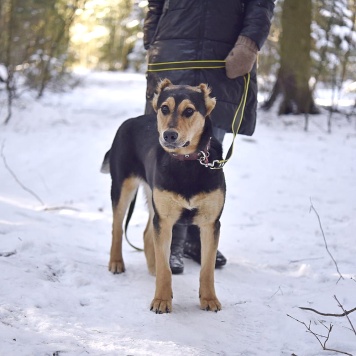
(213, 42)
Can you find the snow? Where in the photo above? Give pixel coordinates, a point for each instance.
(3, 72)
(57, 296)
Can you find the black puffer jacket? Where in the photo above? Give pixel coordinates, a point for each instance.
(189, 30)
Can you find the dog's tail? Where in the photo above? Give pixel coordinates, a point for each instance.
(105, 166)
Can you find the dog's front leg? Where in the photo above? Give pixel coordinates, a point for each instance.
(167, 209)
(162, 302)
(148, 235)
(209, 235)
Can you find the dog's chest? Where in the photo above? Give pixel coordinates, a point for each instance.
(172, 205)
(187, 179)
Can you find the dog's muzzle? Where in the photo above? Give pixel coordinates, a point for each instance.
(170, 140)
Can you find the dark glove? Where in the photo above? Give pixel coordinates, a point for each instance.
(241, 58)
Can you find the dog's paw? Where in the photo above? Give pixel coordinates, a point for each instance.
(212, 304)
(116, 266)
(160, 306)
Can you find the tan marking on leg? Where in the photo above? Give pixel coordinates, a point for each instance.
(148, 235)
(168, 207)
(209, 209)
(128, 189)
(209, 246)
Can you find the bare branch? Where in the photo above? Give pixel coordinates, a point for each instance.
(62, 207)
(317, 336)
(278, 290)
(7, 254)
(346, 313)
(16, 179)
(326, 245)
(309, 329)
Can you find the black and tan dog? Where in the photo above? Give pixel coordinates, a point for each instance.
(169, 154)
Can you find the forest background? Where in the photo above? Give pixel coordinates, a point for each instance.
(311, 43)
(71, 71)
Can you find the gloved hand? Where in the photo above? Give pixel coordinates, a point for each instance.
(241, 58)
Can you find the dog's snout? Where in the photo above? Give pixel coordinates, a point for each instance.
(170, 136)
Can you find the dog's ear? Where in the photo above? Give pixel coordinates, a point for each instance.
(163, 84)
(209, 101)
(160, 87)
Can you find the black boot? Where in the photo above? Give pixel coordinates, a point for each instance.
(176, 259)
(192, 248)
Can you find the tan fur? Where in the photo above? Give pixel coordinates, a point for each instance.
(169, 207)
(148, 235)
(210, 207)
(168, 211)
(129, 187)
(167, 84)
(209, 102)
(188, 129)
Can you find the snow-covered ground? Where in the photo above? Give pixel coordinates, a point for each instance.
(57, 296)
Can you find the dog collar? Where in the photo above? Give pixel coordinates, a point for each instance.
(201, 156)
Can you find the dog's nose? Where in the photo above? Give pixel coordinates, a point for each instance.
(170, 136)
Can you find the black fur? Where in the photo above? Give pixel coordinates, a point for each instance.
(185, 192)
(136, 152)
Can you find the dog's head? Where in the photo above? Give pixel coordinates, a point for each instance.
(181, 114)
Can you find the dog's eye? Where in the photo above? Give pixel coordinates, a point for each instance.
(165, 109)
(188, 112)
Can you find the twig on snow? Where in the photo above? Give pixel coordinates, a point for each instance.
(54, 208)
(346, 313)
(326, 244)
(319, 337)
(28, 190)
(7, 254)
(278, 290)
(16, 179)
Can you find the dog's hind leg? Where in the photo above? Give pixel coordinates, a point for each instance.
(120, 205)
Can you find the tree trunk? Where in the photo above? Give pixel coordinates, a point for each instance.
(292, 81)
(9, 81)
(63, 30)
